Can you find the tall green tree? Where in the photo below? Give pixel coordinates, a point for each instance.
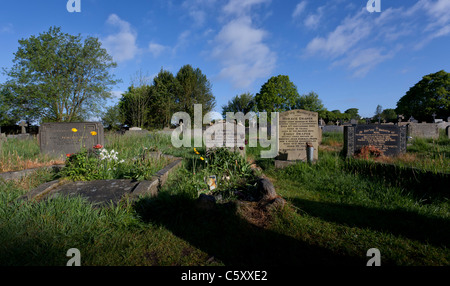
(112, 118)
(134, 105)
(164, 98)
(8, 115)
(60, 77)
(430, 95)
(240, 103)
(310, 102)
(194, 88)
(353, 113)
(277, 94)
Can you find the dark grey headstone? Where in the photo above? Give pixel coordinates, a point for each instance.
(59, 139)
(391, 139)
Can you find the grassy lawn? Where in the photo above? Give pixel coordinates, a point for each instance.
(335, 214)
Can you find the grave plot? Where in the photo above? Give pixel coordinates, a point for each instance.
(104, 192)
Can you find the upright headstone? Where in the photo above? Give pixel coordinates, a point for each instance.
(23, 124)
(423, 130)
(297, 129)
(68, 138)
(390, 139)
(226, 134)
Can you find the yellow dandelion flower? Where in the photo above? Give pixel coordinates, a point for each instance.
(93, 133)
(201, 158)
(74, 130)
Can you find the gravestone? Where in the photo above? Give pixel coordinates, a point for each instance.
(390, 139)
(447, 131)
(226, 134)
(60, 138)
(23, 124)
(297, 128)
(423, 130)
(332, 128)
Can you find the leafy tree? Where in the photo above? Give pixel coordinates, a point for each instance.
(389, 115)
(240, 103)
(59, 77)
(277, 94)
(193, 88)
(353, 113)
(310, 102)
(430, 95)
(164, 100)
(134, 105)
(378, 111)
(7, 114)
(112, 118)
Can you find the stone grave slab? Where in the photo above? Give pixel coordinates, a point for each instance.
(297, 128)
(59, 138)
(391, 139)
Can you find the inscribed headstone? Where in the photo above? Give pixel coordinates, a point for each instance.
(297, 128)
(391, 139)
(68, 138)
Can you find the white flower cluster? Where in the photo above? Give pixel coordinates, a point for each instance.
(109, 156)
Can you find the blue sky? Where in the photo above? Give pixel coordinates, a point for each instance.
(351, 58)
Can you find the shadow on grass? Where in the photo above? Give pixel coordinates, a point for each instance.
(433, 230)
(222, 233)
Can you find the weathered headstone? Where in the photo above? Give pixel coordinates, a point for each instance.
(226, 134)
(332, 128)
(297, 129)
(390, 139)
(423, 130)
(23, 124)
(447, 131)
(68, 138)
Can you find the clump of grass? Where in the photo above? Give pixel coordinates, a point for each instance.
(18, 155)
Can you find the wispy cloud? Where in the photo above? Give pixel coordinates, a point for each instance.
(299, 9)
(7, 29)
(240, 46)
(121, 45)
(241, 51)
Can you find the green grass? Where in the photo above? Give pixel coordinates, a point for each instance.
(335, 213)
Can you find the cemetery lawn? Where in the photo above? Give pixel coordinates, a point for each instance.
(334, 215)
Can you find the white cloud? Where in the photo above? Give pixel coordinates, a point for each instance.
(7, 29)
(156, 49)
(242, 53)
(299, 9)
(242, 7)
(116, 94)
(338, 42)
(122, 45)
(312, 21)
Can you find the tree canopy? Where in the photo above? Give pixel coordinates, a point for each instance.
(153, 104)
(430, 95)
(59, 77)
(278, 94)
(240, 103)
